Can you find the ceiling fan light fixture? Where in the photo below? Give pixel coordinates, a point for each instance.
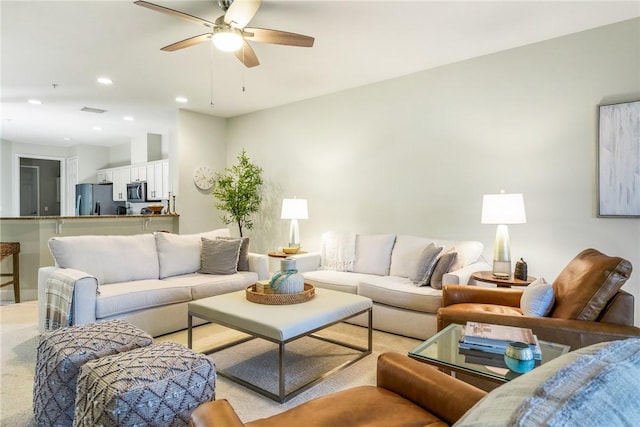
(227, 40)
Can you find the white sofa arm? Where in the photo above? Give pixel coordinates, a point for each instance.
(84, 298)
(307, 262)
(462, 276)
(259, 263)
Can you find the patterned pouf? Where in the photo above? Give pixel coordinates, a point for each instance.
(60, 356)
(160, 385)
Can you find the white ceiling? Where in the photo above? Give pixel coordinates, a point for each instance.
(72, 43)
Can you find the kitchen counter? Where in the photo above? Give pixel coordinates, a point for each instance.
(34, 232)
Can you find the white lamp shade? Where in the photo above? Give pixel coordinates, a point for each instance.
(503, 209)
(294, 209)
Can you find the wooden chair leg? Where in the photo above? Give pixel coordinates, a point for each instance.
(16, 277)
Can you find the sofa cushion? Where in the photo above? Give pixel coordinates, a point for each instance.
(537, 298)
(219, 256)
(373, 253)
(587, 283)
(180, 253)
(595, 385)
(126, 297)
(469, 251)
(208, 285)
(336, 280)
(401, 292)
(111, 259)
(406, 254)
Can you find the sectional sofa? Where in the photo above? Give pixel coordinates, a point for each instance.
(146, 279)
(390, 269)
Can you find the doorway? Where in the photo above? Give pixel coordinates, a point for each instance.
(40, 192)
(29, 190)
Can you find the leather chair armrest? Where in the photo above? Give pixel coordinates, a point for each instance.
(218, 413)
(457, 294)
(575, 333)
(444, 396)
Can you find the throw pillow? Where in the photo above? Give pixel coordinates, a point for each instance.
(373, 253)
(443, 265)
(594, 385)
(424, 270)
(220, 256)
(537, 298)
(243, 259)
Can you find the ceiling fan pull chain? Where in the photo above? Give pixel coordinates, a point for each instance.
(244, 70)
(211, 49)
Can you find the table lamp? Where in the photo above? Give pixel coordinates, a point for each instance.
(294, 209)
(502, 209)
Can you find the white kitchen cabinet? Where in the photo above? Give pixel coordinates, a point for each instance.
(158, 180)
(138, 173)
(121, 177)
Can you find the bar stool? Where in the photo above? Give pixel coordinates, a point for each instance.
(12, 249)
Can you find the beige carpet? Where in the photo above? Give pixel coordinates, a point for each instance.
(19, 340)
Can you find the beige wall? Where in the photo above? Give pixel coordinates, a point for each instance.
(415, 154)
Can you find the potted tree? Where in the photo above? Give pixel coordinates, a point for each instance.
(238, 192)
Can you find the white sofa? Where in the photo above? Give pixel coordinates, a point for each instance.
(147, 279)
(383, 266)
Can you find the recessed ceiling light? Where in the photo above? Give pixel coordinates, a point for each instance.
(104, 80)
(98, 128)
(181, 99)
(66, 138)
(34, 101)
(128, 118)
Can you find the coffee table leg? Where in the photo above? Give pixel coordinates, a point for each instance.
(370, 331)
(189, 330)
(281, 372)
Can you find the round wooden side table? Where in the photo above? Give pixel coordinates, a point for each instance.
(487, 277)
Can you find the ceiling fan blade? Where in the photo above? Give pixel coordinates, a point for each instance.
(191, 41)
(175, 13)
(277, 37)
(247, 55)
(241, 12)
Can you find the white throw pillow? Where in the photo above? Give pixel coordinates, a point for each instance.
(373, 253)
(180, 253)
(537, 298)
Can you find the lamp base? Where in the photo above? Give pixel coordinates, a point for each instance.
(502, 269)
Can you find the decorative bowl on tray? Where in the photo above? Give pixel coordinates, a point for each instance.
(290, 250)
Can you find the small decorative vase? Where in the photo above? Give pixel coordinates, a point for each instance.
(519, 357)
(287, 280)
(520, 272)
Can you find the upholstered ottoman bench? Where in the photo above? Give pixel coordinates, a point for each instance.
(60, 356)
(160, 385)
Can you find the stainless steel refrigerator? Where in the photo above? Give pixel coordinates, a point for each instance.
(95, 199)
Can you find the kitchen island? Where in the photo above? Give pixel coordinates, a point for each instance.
(33, 233)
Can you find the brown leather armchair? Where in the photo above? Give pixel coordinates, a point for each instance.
(589, 305)
(408, 393)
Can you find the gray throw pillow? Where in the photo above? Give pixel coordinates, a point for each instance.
(243, 259)
(443, 265)
(426, 264)
(219, 256)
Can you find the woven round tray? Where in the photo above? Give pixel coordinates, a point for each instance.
(281, 299)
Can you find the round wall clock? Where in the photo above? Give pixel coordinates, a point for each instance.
(203, 178)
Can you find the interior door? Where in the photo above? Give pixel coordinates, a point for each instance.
(29, 191)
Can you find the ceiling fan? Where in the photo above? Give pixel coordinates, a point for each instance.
(230, 32)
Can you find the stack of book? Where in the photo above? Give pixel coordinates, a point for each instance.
(485, 344)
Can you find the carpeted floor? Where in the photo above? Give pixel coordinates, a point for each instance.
(254, 359)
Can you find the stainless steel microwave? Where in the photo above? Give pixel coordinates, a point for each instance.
(137, 192)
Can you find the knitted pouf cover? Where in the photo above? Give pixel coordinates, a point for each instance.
(160, 385)
(60, 355)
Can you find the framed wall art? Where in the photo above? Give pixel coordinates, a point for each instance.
(619, 160)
